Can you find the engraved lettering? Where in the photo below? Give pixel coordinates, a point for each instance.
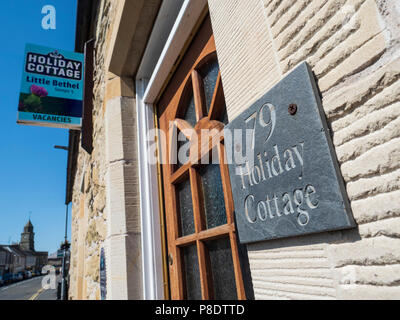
(268, 201)
(287, 204)
(309, 191)
(276, 160)
(272, 120)
(289, 163)
(300, 157)
(256, 177)
(262, 216)
(262, 167)
(278, 213)
(252, 117)
(302, 218)
(247, 211)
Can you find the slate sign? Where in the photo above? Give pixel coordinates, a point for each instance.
(284, 173)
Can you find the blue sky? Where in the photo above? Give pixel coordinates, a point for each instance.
(32, 172)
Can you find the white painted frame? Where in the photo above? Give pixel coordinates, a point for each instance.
(148, 87)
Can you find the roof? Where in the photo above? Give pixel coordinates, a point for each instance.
(15, 249)
(6, 248)
(29, 224)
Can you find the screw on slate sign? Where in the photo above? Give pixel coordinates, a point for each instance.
(292, 109)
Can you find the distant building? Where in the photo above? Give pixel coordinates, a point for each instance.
(6, 259)
(20, 257)
(19, 261)
(28, 238)
(55, 259)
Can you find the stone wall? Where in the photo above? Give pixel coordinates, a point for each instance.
(89, 212)
(106, 207)
(353, 46)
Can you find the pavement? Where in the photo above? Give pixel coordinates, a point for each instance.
(30, 289)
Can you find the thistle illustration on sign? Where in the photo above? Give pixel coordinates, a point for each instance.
(33, 102)
(39, 91)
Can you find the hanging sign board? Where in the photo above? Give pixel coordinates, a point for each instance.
(284, 173)
(51, 88)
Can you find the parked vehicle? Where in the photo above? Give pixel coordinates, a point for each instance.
(19, 276)
(1, 281)
(28, 275)
(8, 278)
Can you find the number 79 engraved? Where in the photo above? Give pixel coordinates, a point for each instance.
(261, 119)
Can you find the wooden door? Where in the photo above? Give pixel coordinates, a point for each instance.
(201, 235)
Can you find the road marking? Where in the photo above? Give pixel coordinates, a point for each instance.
(17, 284)
(36, 294)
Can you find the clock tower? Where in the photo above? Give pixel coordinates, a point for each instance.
(27, 238)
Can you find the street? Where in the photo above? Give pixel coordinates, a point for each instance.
(27, 290)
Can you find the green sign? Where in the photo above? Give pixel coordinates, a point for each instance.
(51, 88)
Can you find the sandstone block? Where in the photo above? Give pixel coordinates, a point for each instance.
(369, 252)
(387, 227)
(363, 292)
(361, 58)
(379, 160)
(368, 187)
(381, 206)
